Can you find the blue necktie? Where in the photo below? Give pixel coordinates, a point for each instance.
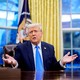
(39, 64)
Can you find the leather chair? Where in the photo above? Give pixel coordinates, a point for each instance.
(10, 50)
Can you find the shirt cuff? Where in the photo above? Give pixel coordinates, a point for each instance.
(62, 64)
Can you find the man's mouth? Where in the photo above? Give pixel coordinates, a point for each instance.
(34, 38)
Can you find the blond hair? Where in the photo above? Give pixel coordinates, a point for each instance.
(35, 25)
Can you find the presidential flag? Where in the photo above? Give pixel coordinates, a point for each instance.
(24, 17)
(24, 14)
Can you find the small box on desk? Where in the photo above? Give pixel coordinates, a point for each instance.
(10, 74)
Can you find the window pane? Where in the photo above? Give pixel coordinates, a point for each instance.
(12, 36)
(76, 39)
(1, 53)
(65, 6)
(12, 19)
(3, 15)
(76, 62)
(13, 5)
(66, 19)
(2, 22)
(2, 37)
(7, 37)
(75, 20)
(66, 40)
(75, 6)
(3, 4)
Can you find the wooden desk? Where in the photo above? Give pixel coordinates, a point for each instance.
(10, 74)
(16, 74)
(52, 75)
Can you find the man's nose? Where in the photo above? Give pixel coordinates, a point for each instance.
(33, 32)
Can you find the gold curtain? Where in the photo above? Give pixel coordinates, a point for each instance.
(46, 12)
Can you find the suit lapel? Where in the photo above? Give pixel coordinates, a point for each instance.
(30, 55)
(44, 53)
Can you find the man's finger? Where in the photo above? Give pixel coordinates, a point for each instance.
(68, 54)
(75, 55)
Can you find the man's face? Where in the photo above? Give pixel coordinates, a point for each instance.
(35, 35)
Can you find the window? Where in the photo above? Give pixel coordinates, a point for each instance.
(70, 19)
(8, 23)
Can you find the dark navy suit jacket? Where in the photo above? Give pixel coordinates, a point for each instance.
(25, 59)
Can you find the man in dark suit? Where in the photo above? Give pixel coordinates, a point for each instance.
(25, 53)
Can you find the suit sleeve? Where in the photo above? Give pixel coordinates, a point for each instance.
(55, 64)
(51, 62)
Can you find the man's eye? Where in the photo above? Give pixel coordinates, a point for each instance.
(33, 31)
(36, 31)
(30, 32)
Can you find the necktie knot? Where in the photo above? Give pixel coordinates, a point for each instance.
(36, 47)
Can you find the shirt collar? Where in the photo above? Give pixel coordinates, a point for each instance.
(35, 45)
